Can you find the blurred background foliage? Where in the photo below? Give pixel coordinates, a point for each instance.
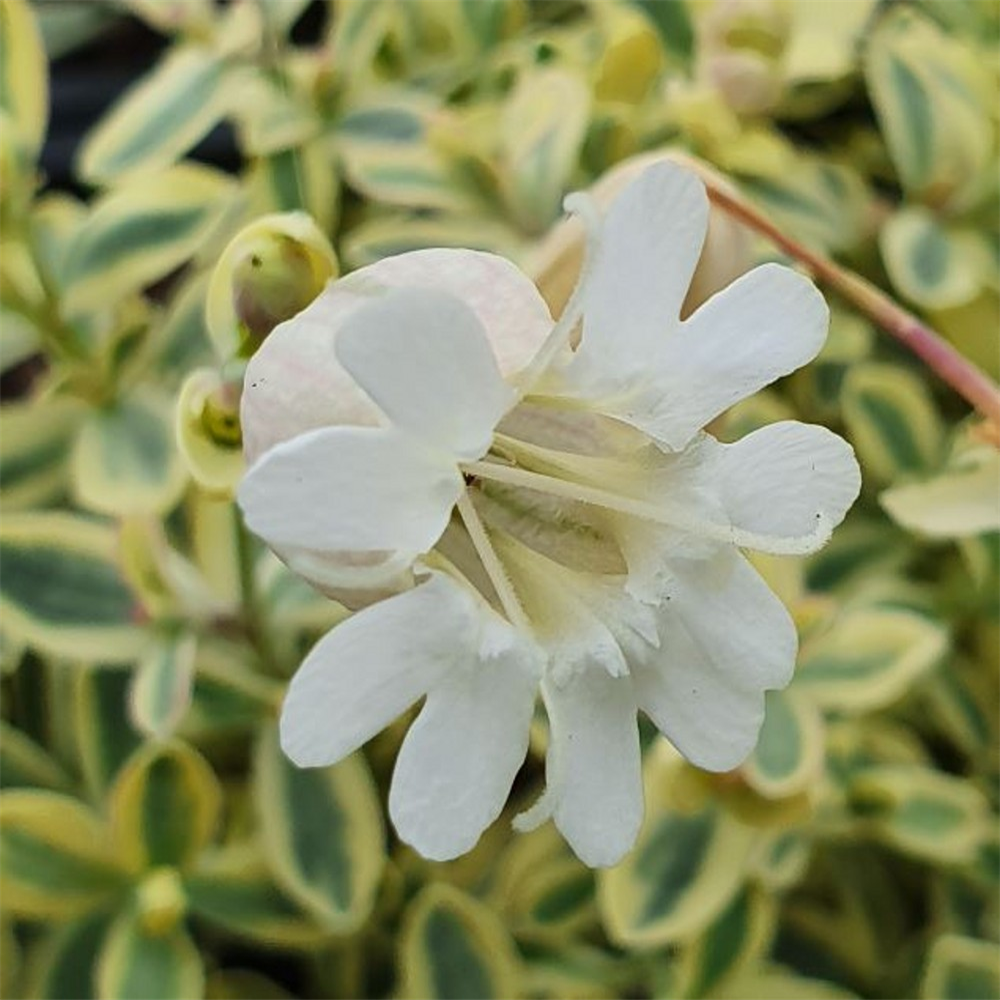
(155, 843)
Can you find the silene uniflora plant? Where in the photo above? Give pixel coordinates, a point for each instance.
(569, 432)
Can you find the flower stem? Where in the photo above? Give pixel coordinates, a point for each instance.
(253, 608)
(953, 367)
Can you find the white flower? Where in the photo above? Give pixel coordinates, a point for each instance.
(597, 537)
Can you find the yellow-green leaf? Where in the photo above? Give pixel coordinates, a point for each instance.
(125, 459)
(61, 590)
(323, 832)
(542, 131)
(300, 178)
(56, 861)
(823, 204)
(925, 813)
(233, 888)
(868, 658)
(135, 965)
(24, 81)
(731, 944)
(961, 968)
(164, 805)
(892, 420)
(932, 265)
(683, 871)
(238, 984)
(63, 964)
(932, 96)
(161, 688)
(962, 501)
(104, 737)
(24, 764)
(776, 983)
(390, 234)
(160, 118)
(789, 752)
(140, 232)
(553, 901)
(34, 439)
(452, 946)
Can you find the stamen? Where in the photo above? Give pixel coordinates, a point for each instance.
(580, 204)
(667, 515)
(491, 563)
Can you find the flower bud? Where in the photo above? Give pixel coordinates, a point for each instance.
(741, 46)
(208, 430)
(270, 272)
(272, 281)
(555, 265)
(161, 901)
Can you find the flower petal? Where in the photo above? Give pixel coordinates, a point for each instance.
(423, 357)
(458, 761)
(649, 248)
(593, 765)
(781, 479)
(372, 667)
(294, 383)
(350, 488)
(724, 639)
(764, 325)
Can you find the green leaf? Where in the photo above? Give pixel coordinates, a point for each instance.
(100, 718)
(24, 82)
(142, 231)
(181, 340)
(135, 965)
(390, 234)
(543, 128)
(925, 813)
(453, 946)
(776, 983)
(931, 96)
(238, 984)
(125, 460)
(322, 831)
(822, 204)
(24, 764)
(164, 806)
(62, 592)
(228, 696)
(56, 861)
(789, 752)
(161, 688)
(160, 118)
(673, 23)
(934, 266)
(734, 942)
(64, 964)
(958, 503)
(234, 889)
(892, 420)
(961, 968)
(683, 871)
(552, 901)
(34, 439)
(868, 659)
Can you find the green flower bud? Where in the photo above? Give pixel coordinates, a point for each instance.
(272, 281)
(208, 431)
(271, 270)
(161, 901)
